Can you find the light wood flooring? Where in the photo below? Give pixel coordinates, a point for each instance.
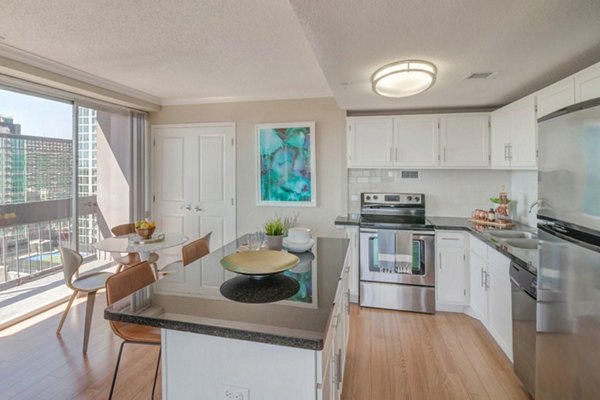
(400, 355)
(392, 355)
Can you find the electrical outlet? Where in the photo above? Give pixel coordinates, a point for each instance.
(231, 392)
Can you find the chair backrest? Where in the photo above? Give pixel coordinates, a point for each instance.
(195, 250)
(128, 281)
(124, 229)
(71, 261)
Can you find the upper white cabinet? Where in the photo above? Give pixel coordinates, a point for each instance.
(419, 141)
(514, 135)
(556, 96)
(464, 140)
(370, 142)
(587, 83)
(416, 141)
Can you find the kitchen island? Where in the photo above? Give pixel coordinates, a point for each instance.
(214, 347)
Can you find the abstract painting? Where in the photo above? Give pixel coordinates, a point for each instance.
(286, 164)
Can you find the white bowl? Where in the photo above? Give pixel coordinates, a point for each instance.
(298, 235)
(298, 247)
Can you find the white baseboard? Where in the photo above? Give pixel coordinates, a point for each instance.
(456, 308)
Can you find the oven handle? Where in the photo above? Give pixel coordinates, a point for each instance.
(415, 233)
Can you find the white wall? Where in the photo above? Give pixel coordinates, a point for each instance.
(449, 193)
(524, 188)
(330, 148)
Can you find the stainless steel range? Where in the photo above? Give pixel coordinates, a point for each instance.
(397, 264)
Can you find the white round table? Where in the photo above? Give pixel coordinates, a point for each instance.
(122, 245)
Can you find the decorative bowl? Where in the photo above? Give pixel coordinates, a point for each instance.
(145, 233)
(259, 263)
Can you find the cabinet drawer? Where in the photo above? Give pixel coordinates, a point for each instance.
(478, 247)
(450, 239)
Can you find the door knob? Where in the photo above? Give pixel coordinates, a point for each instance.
(197, 209)
(186, 207)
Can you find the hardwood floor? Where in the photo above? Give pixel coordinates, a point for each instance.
(398, 355)
(392, 355)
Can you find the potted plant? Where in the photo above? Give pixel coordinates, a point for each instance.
(274, 231)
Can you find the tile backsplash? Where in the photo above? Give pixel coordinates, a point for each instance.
(450, 193)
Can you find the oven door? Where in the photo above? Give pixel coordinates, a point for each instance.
(423, 269)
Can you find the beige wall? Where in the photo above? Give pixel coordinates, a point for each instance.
(330, 148)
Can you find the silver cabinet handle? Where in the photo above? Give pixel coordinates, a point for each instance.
(338, 369)
(487, 281)
(396, 150)
(391, 155)
(482, 278)
(451, 239)
(197, 209)
(444, 154)
(510, 152)
(348, 302)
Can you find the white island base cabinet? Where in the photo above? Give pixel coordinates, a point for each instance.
(206, 367)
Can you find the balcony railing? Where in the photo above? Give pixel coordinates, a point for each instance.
(30, 234)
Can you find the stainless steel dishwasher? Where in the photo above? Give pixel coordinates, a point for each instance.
(524, 295)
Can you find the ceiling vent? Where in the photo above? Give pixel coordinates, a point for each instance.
(479, 75)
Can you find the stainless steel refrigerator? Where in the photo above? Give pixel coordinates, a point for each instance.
(568, 294)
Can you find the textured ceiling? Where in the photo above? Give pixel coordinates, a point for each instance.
(182, 49)
(530, 43)
(202, 51)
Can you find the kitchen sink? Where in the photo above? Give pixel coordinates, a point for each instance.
(512, 235)
(526, 244)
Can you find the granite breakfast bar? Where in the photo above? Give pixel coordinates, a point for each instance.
(214, 347)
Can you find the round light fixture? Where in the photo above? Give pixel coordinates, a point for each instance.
(403, 78)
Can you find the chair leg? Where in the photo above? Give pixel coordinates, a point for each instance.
(155, 271)
(119, 268)
(91, 298)
(64, 316)
(114, 380)
(156, 372)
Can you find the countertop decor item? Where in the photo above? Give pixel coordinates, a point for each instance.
(298, 247)
(286, 165)
(145, 228)
(274, 231)
(259, 263)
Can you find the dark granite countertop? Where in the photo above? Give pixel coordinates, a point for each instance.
(347, 220)
(299, 321)
(524, 258)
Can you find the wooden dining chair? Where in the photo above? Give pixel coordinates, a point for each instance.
(131, 258)
(189, 253)
(118, 287)
(88, 283)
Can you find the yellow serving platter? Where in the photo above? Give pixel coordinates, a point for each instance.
(266, 262)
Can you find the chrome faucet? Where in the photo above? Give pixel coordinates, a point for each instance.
(535, 203)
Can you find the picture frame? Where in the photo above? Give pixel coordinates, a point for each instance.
(286, 164)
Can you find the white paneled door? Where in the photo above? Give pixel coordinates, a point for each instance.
(194, 181)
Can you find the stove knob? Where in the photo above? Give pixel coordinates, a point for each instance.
(417, 199)
(409, 198)
(368, 197)
(375, 197)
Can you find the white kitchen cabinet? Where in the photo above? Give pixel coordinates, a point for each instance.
(451, 276)
(370, 142)
(464, 140)
(556, 96)
(478, 287)
(587, 83)
(416, 141)
(499, 298)
(514, 135)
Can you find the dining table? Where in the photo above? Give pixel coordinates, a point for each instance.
(125, 244)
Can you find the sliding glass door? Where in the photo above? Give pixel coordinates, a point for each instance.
(69, 172)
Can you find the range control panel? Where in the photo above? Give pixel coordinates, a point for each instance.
(393, 198)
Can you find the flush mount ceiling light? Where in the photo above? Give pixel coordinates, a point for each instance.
(403, 78)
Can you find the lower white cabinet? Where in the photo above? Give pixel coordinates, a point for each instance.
(491, 293)
(451, 270)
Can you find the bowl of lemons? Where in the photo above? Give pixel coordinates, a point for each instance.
(145, 228)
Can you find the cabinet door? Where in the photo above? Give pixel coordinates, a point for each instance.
(370, 142)
(500, 138)
(556, 96)
(327, 390)
(465, 140)
(479, 298)
(450, 275)
(500, 309)
(587, 83)
(416, 141)
(523, 132)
